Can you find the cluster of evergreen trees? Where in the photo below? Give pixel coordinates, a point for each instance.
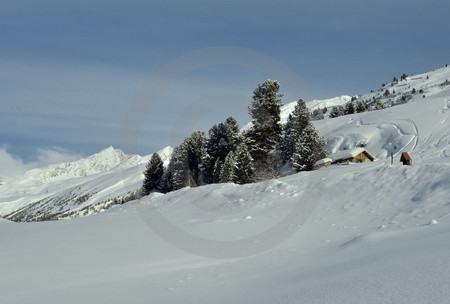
(350, 107)
(262, 152)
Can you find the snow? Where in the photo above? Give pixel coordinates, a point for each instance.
(379, 248)
(77, 188)
(325, 103)
(344, 154)
(324, 161)
(367, 233)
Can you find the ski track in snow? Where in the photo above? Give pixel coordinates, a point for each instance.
(415, 133)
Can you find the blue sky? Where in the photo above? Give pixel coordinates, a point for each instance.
(74, 74)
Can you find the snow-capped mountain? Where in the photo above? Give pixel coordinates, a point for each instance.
(100, 162)
(83, 187)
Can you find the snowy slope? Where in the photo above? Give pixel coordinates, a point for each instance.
(408, 89)
(323, 103)
(362, 233)
(96, 182)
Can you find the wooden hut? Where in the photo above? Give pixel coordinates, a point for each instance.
(354, 155)
(406, 159)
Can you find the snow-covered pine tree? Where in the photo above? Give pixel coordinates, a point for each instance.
(195, 146)
(153, 175)
(379, 105)
(317, 114)
(349, 108)
(223, 138)
(233, 132)
(297, 121)
(216, 171)
(218, 146)
(166, 181)
(308, 149)
(178, 172)
(227, 173)
(185, 163)
(337, 111)
(361, 106)
(265, 132)
(243, 170)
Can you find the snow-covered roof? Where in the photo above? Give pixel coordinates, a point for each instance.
(323, 161)
(340, 155)
(344, 154)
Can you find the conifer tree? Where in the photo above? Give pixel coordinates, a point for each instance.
(153, 175)
(265, 111)
(243, 170)
(185, 164)
(318, 114)
(179, 169)
(222, 139)
(297, 121)
(233, 132)
(195, 146)
(349, 108)
(361, 106)
(227, 172)
(218, 144)
(308, 149)
(265, 133)
(217, 170)
(166, 181)
(337, 111)
(378, 105)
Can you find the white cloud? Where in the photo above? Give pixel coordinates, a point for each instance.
(55, 156)
(10, 165)
(13, 166)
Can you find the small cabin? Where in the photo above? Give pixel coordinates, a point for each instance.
(354, 155)
(406, 159)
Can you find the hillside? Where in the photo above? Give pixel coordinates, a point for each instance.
(361, 233)
(401, 90)
(95, 183)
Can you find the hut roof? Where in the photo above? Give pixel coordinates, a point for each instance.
(323, 161)
(406, 156)
(344, 154)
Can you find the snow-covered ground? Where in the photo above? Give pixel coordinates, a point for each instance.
(361, 233)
